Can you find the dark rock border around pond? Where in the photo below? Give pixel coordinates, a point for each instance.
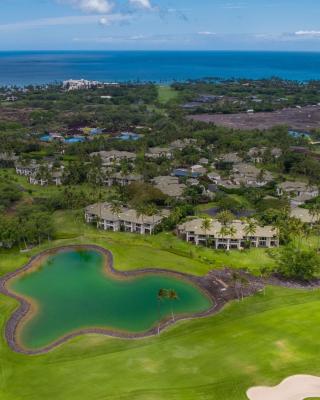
(221, 286)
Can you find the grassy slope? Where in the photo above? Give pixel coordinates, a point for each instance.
(166, 93)
(258, 341)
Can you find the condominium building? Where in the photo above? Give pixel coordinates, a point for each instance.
(236, 237)
(127, 220)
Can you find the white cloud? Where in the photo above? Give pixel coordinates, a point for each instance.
(70, 20)
(206, 33)
(92, 6)
(104, 6)
(141, 3)
(308, 33)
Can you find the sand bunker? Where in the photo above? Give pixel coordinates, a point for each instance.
(297, 387)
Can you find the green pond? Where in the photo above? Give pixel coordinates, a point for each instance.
(72, 292)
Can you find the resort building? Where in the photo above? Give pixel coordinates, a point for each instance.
(299, 192)
(250, 176)
(38, 180)
(237, 237)
(159, 152)
(8, 159)
(303, 215)
(169, 185)
(103, 216)
(127, 220)
(114, 156)
(56, 177)
(256, 154)
(198, 169)
(47, 178)
(230, 158)
(27, 169)
(181, 144)
(80, 84)
(215, 177)
(122, 180)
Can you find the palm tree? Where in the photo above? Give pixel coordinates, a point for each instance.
(232, 231)
(224, 231)
(206, 225)
(235, 280)
(141, 212)
(151, 211)
(116, 208)
(251, 228)
(244, 282)
(162, 294)
(295, 229)
(315, 213)
(225, 217)
(172, 296)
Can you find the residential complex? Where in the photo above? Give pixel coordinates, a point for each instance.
(125, 219)
(236, 236)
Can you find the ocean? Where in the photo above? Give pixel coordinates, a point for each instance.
(39, 67)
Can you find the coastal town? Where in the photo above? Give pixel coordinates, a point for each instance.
(159, 200)
(194, 179)
(208, 188)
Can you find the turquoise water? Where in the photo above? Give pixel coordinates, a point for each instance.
(73, 292)
(22, 68)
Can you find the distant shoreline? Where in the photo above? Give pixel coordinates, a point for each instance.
(40, 67)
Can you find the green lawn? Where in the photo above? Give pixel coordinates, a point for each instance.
(166, 93)
(259, 341)
(9, 175)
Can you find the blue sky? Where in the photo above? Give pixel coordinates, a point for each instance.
(160, 24)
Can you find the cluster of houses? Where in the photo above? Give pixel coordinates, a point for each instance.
(123, 219)
(238, 235)
(298, 192)
(114, 157)
(80, 135)
(230, 170)
(39, 174)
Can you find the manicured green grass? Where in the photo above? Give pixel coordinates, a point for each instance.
(166, 93)
(9, 175)
(259, 341)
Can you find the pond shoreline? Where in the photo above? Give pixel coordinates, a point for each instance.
(218, 285)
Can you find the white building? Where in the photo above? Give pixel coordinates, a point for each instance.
(169, 185)
(127, 220)
(250, 176)
(122, 180)
(114, 156)
(303, 215)
(27, 169)
(78, 84)
(299, 192)
(193, 231)
(159, 152)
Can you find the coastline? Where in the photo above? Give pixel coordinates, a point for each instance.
(23, 68)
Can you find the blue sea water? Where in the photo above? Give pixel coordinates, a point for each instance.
(35, 67)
